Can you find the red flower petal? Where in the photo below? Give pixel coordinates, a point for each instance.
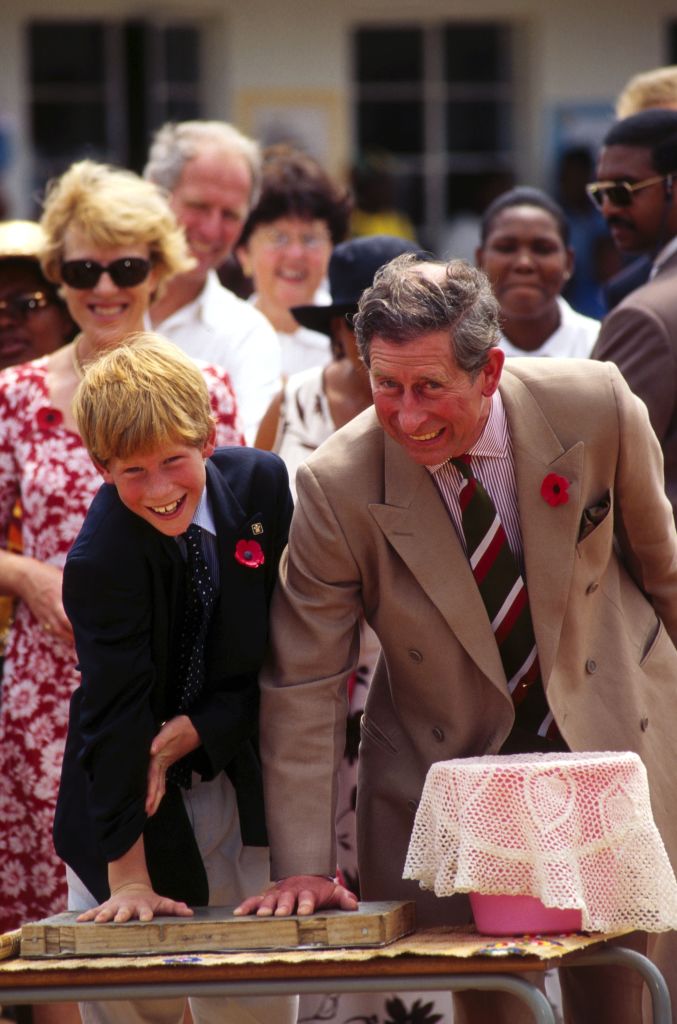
(49, 419)
(249, 553)
(555, 489)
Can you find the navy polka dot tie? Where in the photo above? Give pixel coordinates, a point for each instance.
(200, 599)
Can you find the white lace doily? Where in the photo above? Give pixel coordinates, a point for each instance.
(574, 830)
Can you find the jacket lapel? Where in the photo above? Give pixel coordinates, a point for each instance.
(417, 525)
(549, 534)
(230, 520)
(667, 268)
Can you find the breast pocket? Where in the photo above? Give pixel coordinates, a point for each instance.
(594, 516)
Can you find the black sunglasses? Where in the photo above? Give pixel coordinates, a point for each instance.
(125, 272)
(21, 306)
(620, 193)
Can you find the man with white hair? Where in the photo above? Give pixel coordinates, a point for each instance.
(211, 172)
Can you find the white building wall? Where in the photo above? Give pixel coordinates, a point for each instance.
(259, 53)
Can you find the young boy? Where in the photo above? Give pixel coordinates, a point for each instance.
(160, 803)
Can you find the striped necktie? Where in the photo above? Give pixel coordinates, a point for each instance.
(505, 597)
(200, 600)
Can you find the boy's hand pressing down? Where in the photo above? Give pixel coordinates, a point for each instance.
(135, 900)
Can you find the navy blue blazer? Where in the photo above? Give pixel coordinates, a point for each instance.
(124, 592)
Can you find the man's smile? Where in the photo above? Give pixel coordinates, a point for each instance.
(426, 437)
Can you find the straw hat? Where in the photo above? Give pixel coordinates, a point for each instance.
(20, 239)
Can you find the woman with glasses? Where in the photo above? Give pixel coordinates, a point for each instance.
(525, 252)
(285, 247)
(111, 241)
(33, 318)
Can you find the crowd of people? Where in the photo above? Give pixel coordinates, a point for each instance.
(145, 620)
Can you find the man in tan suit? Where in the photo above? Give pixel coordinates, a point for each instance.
(377, 530)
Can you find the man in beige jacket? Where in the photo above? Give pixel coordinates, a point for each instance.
(377, 530)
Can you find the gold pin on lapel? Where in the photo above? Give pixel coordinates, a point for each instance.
(257, 529)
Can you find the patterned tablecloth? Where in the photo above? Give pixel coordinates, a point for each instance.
(437, 942)
(573, 830)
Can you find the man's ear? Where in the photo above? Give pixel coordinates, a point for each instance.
(242, 253)
(492, 370)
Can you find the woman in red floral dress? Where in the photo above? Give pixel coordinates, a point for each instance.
(111, 242)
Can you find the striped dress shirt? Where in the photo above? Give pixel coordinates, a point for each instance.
(494, 466)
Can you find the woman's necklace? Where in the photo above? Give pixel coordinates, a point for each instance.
(75, 358)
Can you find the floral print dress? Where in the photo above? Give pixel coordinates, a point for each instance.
(45, 466)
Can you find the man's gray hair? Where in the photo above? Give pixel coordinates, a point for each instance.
(175, 144)
(406, 301)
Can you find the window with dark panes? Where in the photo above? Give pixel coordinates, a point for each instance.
(434, 105)
(100, 88)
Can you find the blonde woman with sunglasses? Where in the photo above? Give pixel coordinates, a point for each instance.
(111, 243)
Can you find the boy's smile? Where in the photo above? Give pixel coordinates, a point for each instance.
(163, 486)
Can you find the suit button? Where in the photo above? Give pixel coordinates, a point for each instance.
(412, 805)
(415, 655)
(592, 588)
(438, 734)
(591, 666)
(644, 724)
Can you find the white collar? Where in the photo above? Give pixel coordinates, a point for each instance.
(663, 256)
(204, 516)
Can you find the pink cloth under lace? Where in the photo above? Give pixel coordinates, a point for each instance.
(574, 830)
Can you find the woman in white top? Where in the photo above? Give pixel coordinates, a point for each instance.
(285, 247)
(525, 252)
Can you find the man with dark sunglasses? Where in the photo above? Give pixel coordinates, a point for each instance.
(637, 171)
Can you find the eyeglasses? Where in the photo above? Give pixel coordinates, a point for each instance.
(620, 193)
(125, 272)
(306, 239)
(22, 306)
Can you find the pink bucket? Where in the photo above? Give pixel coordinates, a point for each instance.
(520, 915)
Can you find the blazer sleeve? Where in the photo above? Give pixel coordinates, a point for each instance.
(303, 685)
(644, 523)
(111, 616)
(637, 340)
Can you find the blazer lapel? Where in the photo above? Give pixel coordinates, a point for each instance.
(231, 521)
(667, 268)
(549, 534)
(416, 523)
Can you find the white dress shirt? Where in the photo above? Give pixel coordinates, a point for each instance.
(222, 329)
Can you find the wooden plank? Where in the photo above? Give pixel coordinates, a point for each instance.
(10, 943)
(214, 929)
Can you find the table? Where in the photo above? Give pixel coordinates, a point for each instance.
(416, 963)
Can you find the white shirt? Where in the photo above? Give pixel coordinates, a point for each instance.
(303, 348)
(663, 256)
(224, 330)
(573, 339)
